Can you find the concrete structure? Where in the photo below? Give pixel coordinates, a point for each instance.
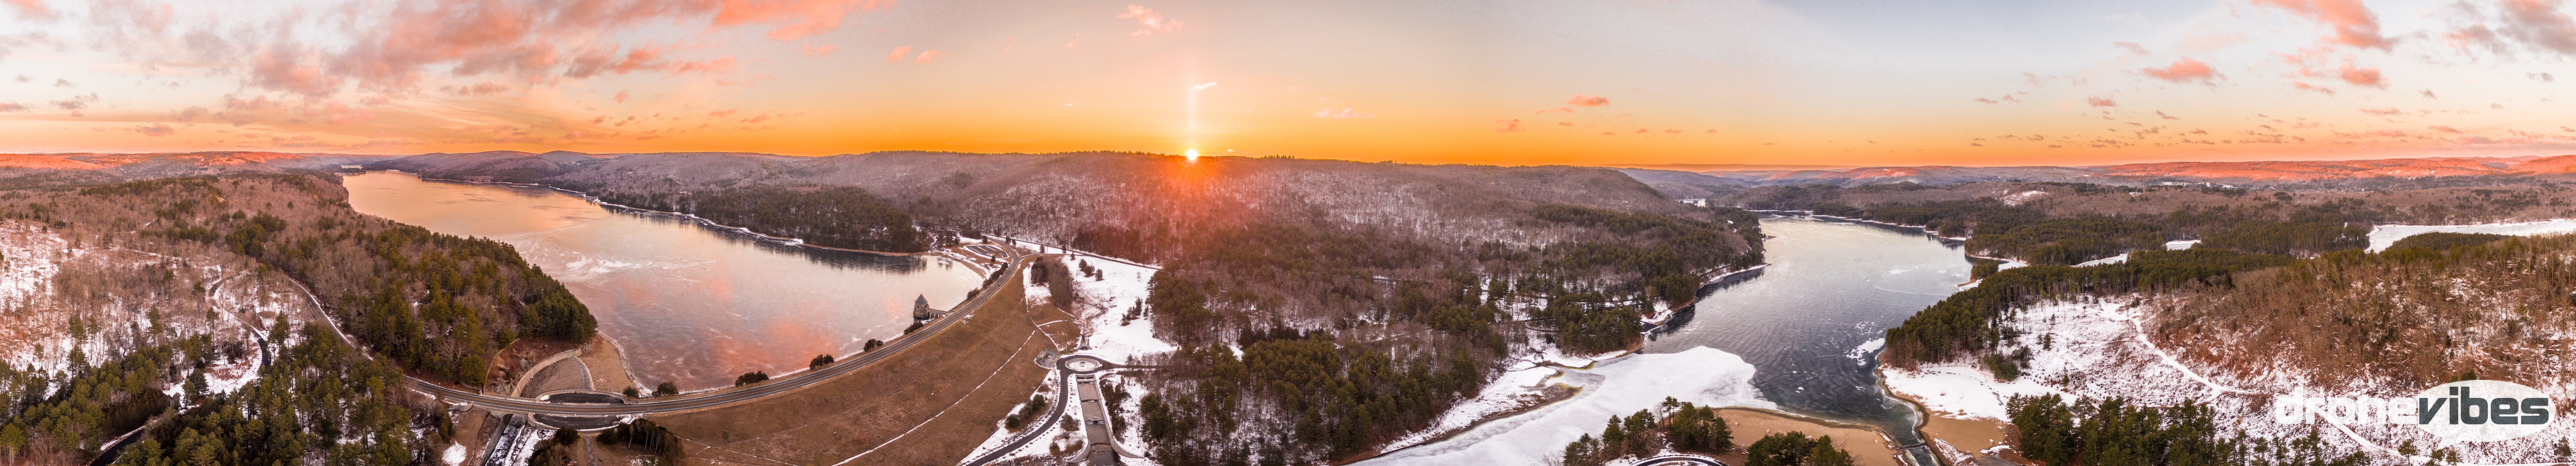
(921, 309)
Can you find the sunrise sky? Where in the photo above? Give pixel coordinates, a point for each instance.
(1502, 82)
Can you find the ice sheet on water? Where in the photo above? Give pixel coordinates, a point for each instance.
(2383, 235)
(1702, 376)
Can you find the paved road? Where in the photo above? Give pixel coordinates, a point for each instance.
(738, 394)
(1681, 459)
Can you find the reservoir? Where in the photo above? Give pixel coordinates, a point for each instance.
(1801, 335)
(686, 302)
(1812, 322)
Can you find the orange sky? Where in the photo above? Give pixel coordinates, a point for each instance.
(1513, 82)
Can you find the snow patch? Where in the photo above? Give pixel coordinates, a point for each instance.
(2180, 245)
(2384, 235)
(1104, 305)
(1865, 348)
(2016, 199)
(1513, 389)
(2105, 261)
(1702, 376)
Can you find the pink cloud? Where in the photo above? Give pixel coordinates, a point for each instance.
(2445, 128)
(723, 113)
(899, 54)
(31, 9)
(2132, 47)
(281, 69)
(1510, 125)
(812, 51)
(1986, 100)
(2182, 70)
(156, 129)
(1148, 22)
(2354, 25)
(487, 88)
(1581, 100)
(2361, 76)
(2100, 102)
(2540, 24)
(1554, 110)
(928, 55)
(2310, 87)
(621, 97)
(534, 40)
(795, 18)
(2387, 111)
(720, 64)
(6, 107)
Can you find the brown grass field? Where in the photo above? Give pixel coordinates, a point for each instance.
(929, 405)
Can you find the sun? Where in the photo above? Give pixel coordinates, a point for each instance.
(1191, 155)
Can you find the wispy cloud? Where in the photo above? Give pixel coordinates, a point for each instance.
(2354, 25)
(2182, 70)
(1149, 22)
(1581, 100)
(2361, 76)
(2100, 102)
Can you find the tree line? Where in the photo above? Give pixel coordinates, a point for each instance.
(835, 216)
(1675, 425)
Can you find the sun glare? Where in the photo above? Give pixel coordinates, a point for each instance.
(1192, 155)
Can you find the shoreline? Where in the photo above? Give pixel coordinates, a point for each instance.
(1657, 321)
(1809, 213)
(745, 230)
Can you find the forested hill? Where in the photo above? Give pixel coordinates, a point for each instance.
(2070, 223)
(140, 261)
(1305, 265)
(30, 170)
(2432, 308)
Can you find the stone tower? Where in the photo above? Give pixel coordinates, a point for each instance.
(921, 308)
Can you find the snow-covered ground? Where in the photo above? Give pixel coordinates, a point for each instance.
(37, 328)
(516, 453)
(2105, 261)
(1002, 435)
(2097, 348)
(2383, 235)
(1104, 302)
(1703, 376)
(1517, 388)
(2184, 244)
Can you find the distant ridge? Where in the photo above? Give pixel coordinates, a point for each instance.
(1724, 167)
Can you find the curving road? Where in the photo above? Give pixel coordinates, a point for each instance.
(1681, 459)
(738, 394)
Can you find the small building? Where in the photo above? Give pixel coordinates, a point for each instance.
(921, 308)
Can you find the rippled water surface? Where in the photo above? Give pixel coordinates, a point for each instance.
(1812, 321)
(687, 302)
